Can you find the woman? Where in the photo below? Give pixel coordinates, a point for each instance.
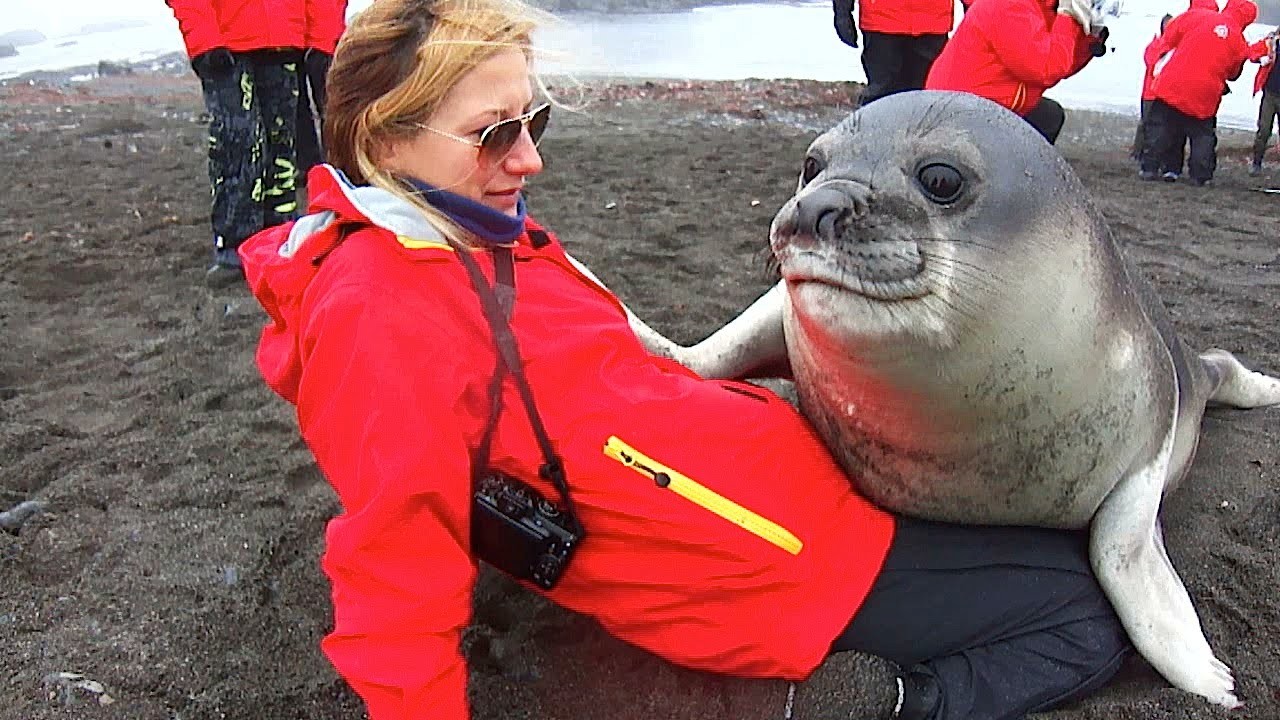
(734, 547)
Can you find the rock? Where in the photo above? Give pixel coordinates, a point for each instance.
(7, 50)
(11, 520)
(107, 68)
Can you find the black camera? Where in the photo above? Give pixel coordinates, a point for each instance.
(516, 530)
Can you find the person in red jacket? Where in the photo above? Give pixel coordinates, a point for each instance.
(326, 19)
(1266, 82)
(1011, 51)
(452, 366)
(246, 54)
(1199, 52)
(901, 39)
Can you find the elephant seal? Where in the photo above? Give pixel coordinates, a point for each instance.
(967, 338)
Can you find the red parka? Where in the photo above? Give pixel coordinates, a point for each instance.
(1199, 52)
(245, 25)
(326, 21)
(1011, 51)
(385, 352)
(1152, 54)
(907, 17)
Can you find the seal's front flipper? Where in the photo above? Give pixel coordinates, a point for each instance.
(1237, 385)
(1129, 559)
(751, 345)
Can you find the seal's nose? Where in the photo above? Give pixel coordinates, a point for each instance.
(825, 212)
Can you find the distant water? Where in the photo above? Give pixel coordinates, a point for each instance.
(767, 40)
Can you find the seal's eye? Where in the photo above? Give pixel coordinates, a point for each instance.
(941, 182)
(811, 169)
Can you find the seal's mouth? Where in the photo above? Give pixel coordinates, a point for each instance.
(882, 270)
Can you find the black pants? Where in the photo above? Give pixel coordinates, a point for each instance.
(1167, 129)
(895, 63)
(1047, 117)
(252, 165)
(995, 622)
(1268, 110)
(1140, 134)
(311, 99)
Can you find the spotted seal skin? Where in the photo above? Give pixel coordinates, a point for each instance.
(972, 346)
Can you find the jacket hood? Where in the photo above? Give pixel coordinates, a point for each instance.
(1243, 12)
(280, 262)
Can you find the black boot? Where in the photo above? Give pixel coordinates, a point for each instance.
(918, 696)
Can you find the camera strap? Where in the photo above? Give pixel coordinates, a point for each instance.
(497, 302)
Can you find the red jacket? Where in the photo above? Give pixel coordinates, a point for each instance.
(1011, 51)
(907, 17)
(1199, 52)
(384, 350)
(1149, 60)
(326, 21)
(245, 25)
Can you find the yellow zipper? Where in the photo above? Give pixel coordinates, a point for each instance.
(693, 491)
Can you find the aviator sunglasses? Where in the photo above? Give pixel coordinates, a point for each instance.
(498, 139)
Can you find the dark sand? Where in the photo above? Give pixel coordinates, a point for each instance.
(176, 565)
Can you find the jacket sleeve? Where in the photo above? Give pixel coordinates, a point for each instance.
(380, 405)
(1033, 53)
(1152, 53)
(1259, 50)
(198, 22)
(326, 20)
(842, 7)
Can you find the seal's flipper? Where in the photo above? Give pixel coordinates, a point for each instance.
(1237, 385)
(752, 345)
(1131, 564)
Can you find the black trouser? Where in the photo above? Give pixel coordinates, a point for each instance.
(311, 99)
(995, 622)
(252, 166)
(1268, 109)
(895, 63)
(1167, 129)
(1047, 117)
(1140, 135)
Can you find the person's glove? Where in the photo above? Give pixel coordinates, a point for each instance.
(1265, 60)
(845, 26)
(212, 64)
(1098, 41)
(1081, 10)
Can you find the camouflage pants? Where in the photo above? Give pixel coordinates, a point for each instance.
(252, 164)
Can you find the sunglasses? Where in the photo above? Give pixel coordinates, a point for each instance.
(498, 139)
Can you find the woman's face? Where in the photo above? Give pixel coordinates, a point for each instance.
(497, 89)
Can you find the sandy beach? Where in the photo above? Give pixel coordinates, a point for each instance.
(174, 572)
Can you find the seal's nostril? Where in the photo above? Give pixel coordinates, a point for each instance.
(827, 228)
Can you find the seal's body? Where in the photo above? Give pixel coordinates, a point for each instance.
(968, 340)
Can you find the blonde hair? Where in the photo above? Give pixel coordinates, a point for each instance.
(395, 63)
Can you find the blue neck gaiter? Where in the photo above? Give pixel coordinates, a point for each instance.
(487, 224)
